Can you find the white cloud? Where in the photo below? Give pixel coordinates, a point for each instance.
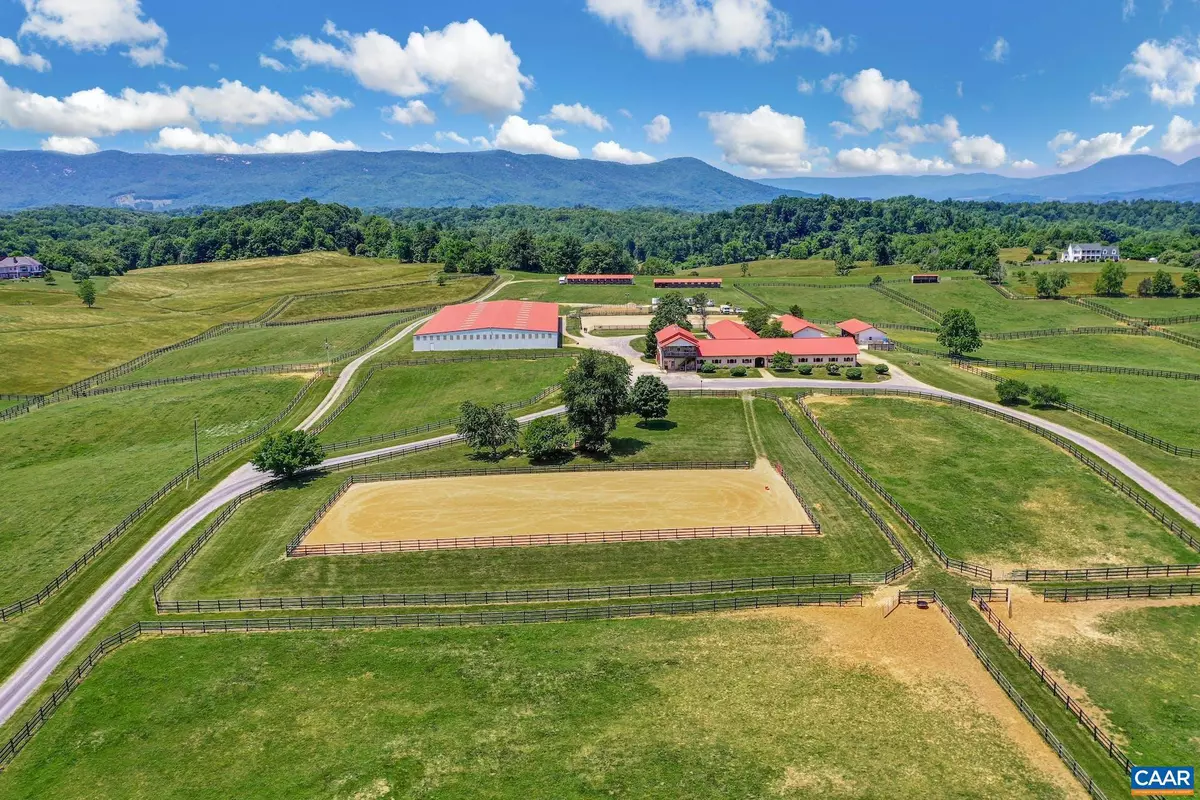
(521, 136)
(1106, 98)
(10, 53)
(577, 114)
(451, 136)
(875, 99)
(676, 28)
(832, 81)
(842, 129)
(888, 160)
(1024, 163)
(1069, 149)
(819, 39)
(1172, 70)
(481, 142)
(91, 112)
(958, 88)
(659, 129)
(414, 113)
(625, 112)
(98, 25)
(75, 145)
(765, 141)
(981, 150)
(271, 63)
(194, 141)
(946, 130)
(476, 69)
(386, 135)
(234, 103)
(1128, 9)
(425, 147)
(1181, 135)
(324, 105)
(998, 52)
(611, 151)
(803, 86)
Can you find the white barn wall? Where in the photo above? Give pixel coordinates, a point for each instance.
(486, 339)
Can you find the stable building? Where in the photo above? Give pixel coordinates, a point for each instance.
(926, 277)
(680, 350)
(607, 280)
(799, 328)
(861, 332)
(497, 325)
(687, 283)
(729, 329)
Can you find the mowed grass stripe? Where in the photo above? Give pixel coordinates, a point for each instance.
(992, 493)
(381, 299)
(1147, 352)
(995, 313)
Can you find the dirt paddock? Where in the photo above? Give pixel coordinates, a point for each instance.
(552, 503)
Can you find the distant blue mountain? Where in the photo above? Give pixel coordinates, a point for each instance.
(1121, 178)
(393, 179)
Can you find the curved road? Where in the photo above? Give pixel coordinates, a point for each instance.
(22, 684)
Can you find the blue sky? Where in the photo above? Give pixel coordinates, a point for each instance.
(758, 87)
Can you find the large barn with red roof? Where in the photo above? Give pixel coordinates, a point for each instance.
(680, 349)
(498, 325)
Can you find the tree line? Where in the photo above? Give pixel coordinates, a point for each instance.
(905, 230)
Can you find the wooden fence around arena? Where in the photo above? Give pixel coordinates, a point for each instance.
(1104, 573)
(1143, 592)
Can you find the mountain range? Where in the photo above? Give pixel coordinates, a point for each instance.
(402, 178)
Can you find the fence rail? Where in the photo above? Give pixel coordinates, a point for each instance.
(24, 604)
(924, 309)
(1104, 573)
(1049, 366)
(357, 622)
(1144, 592)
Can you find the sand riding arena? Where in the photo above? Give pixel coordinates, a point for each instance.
(528, 508)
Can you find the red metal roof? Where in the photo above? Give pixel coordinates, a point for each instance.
(823, 346)
(674, 332)
(855, 326)
(793, 324)
(510, 315)
(593, 276)
(691, 281)
(730, 329)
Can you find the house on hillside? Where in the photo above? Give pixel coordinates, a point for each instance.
(498, 325)
(679, 350)
(799, 328)
(1090, 252)
(14, 267)
(861, 332)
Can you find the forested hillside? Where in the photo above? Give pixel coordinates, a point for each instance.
(938, 235)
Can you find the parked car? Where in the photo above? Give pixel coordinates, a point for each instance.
(727, 309)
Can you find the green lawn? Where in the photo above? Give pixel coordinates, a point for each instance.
(868, 375)
(994, 313)
(992, 493)
(380, 299)
(73, 470)
(1187, 329)
(1083, 275)
(546, 288)
(1152, 307)
(762, 704)
(835, 305)
(282, 344)
(1139, 668)
(402, 397)
(49, 339)
(1149, 352)
(809, 269)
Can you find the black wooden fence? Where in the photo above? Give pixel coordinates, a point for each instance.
(924, 309)
(1104, 573)
(1142, 592)
(1047, 366)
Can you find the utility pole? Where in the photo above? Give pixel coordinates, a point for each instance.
(196, 443)
(328, 347)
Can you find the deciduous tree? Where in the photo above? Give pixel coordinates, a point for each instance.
(284, 454)
(1111, 280)
(958, 332)
(649, 398)
(546, 438)
(87, 292)
(487, 427)
(596, 391)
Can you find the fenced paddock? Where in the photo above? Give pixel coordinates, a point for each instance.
(387, 514)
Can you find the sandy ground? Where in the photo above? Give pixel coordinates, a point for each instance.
(643, 320)
(503, 505)
(920, 649)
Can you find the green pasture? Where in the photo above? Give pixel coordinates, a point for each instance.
(403, 397)
(995, 313)
(837, 304)
(1187, 329)
(1083, 276)
(755, 705)
(808, 268)
(1153, 307)
(546, 288)
(993, 493)
(428, 294)
(1138, 668)
(73, 470)
(1147, 352)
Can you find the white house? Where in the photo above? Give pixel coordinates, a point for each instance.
(862, 332)
(1090, 252)
(498, 325)
(799, 328)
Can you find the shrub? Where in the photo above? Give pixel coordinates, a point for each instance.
(781, 361)
(833, 369)
(708, 367)
(738, 372)
(882, 369)
(546, 437)
(1010, 390)
(1047, 395)
(805, 369)
(854, 374)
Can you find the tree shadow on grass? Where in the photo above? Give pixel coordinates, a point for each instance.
(657, 425)
(626, 446)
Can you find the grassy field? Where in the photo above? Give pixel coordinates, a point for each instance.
(1130, 663)
(402, 397)
(1151, 307)
(808, 268)
(75, 469)
(285, 344)
(994, 313)
(379, 299)
(1148, 352)
(838, 304)
(992, 493)
(1083, 276)
(546, 288)
(1187, 328)
(49, 339)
